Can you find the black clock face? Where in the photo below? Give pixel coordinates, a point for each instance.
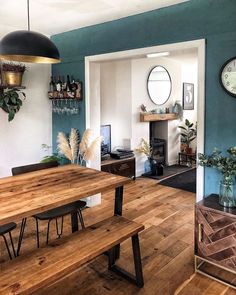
(228, 76)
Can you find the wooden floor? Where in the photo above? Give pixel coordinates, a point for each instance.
(166, 245)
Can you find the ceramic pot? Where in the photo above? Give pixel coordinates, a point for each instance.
(12, 78)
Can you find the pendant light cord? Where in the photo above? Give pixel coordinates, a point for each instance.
(28, 15)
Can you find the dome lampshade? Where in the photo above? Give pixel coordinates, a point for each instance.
(28, 46)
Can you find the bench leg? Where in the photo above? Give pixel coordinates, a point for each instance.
(138, 278)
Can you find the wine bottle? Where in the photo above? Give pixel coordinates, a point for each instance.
(59, 84)
(68, 85)
(52, 85)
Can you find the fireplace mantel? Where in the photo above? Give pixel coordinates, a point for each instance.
(150, 117)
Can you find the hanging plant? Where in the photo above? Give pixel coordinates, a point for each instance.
(11, 101)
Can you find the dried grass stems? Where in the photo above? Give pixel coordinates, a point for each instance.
(78, 151)
(144, 148)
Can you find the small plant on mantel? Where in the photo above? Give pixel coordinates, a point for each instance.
(11, 102)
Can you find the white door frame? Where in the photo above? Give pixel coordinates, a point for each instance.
(141, 52)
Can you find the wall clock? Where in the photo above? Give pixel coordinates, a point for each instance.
(228, 76)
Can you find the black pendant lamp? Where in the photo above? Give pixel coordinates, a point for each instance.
(28, 46)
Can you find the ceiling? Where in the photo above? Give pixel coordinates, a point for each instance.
(56, 16)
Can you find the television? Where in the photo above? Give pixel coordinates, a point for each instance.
(105, 132)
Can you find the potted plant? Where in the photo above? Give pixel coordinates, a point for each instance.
(12, 74)
(10, 102)
(188, 134)
(146, 149)
(227, 167)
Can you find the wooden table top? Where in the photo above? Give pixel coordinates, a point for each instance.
(30, 193)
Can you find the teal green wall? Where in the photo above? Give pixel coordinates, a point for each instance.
(214, 20)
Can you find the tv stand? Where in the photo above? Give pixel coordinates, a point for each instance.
(123, 167)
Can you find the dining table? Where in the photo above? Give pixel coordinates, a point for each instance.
(27, 194)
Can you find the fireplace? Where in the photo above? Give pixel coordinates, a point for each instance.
(159, 150)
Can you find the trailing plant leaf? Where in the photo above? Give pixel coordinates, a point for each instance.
(11, 102)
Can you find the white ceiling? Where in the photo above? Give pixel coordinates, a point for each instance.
(55, 16)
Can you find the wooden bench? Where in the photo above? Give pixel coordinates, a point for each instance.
(45, 266)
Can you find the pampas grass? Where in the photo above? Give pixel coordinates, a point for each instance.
(73, 141)
(63, 146)
(90, 152)
(75, 151)
(144, 148)
(85, 141)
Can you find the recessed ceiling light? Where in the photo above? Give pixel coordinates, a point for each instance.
(158, 54)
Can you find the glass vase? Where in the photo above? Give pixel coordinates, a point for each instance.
(227, 195)
(147, 166)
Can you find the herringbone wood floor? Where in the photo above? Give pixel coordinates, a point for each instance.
(166, 244)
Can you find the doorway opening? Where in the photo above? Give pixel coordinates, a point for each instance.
(106, 74)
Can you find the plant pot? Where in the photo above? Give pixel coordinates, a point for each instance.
(147, 166)
(227, 194)
(12, 78)
(189, 150)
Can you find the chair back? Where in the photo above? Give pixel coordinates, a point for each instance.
(33, 167)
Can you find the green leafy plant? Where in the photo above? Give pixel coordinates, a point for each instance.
(188, 133)
(13, 67)
(49, 158)
(10, 102)
(226, 165)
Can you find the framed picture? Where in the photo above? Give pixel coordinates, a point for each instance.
(188, 96)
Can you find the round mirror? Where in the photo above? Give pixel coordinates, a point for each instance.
(159, 85)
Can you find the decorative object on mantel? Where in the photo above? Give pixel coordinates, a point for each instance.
(148, 117)
(188, 134)
(227, 167)
(188, 96)
(178, 110)
(143, 108)
(28, 46)
(10, 102)
(77, 151)
(11, 74)
(61, 89)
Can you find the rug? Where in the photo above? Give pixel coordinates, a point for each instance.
(168, 171)
(185, 181)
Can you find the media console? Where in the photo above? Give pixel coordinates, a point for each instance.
(123, 167)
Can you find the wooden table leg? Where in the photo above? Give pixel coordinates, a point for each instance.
(74, 222)
(118, 211)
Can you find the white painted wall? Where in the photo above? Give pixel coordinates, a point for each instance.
(140, 70)
(116, 101)
(21, 139)
(124, 89)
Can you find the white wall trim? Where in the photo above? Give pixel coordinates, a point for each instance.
(141, 52)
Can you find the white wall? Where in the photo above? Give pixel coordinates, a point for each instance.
(189, 75)
(21, 139)
(116, 100)
(140, 70)
(124, 89)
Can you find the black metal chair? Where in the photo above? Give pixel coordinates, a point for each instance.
(53, 214)
(4, 229)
